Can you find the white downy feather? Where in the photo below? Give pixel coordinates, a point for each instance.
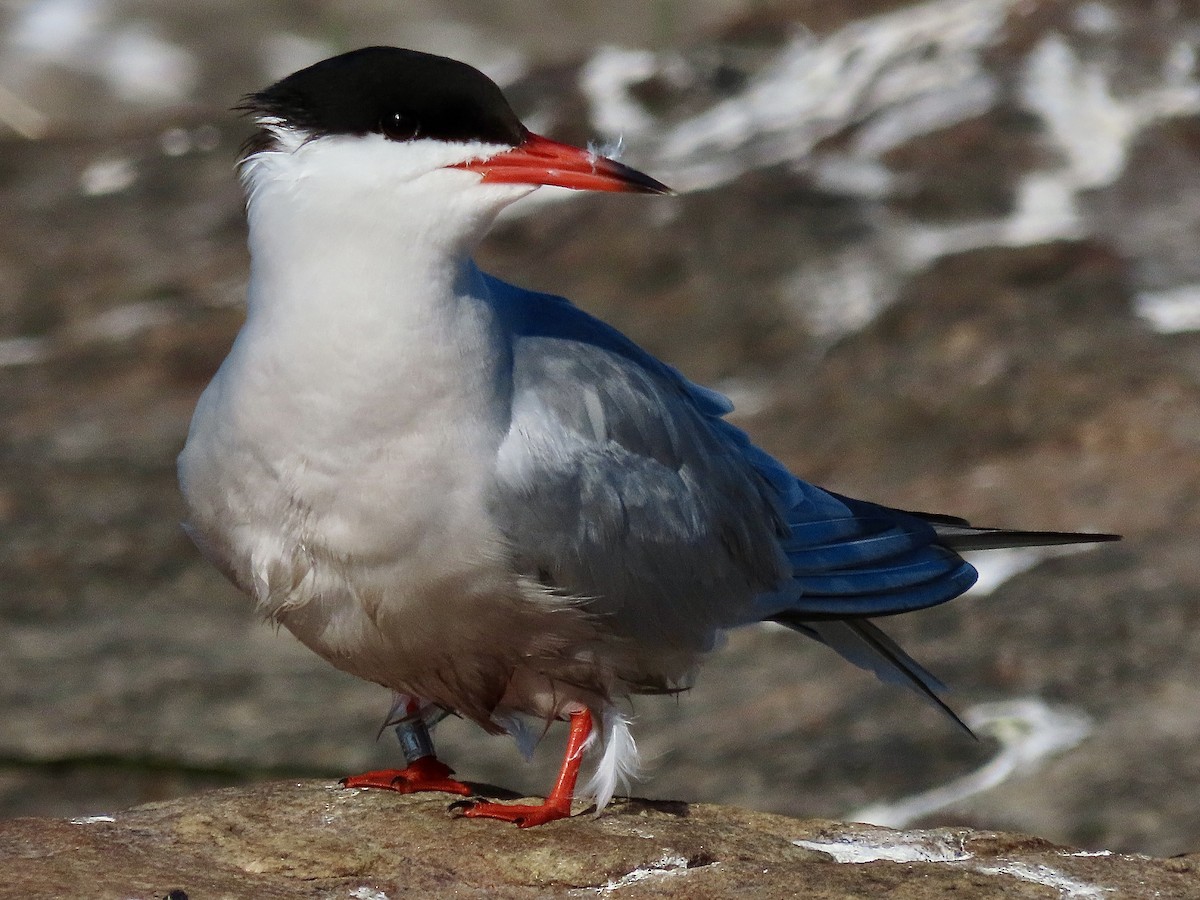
(619, 762)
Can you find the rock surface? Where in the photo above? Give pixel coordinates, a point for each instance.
(314, 839)
(941, 254)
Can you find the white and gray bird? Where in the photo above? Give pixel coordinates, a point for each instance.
(479, 496)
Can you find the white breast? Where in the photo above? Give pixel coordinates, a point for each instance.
(320, 482)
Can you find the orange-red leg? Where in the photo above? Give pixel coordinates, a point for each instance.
(558, 804)
(425, 772)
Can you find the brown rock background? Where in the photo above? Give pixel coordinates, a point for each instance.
(941, 254)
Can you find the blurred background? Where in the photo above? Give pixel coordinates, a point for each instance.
(941, 254)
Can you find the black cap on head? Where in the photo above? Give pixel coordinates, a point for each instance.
(401, 94)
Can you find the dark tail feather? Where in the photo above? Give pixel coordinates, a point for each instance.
(959, 539)
(959, 534)
(863, 643)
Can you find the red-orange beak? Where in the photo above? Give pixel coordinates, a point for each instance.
(539, 160)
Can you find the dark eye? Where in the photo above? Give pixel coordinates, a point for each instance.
(399, 127)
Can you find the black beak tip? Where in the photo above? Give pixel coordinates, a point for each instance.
(644, 184)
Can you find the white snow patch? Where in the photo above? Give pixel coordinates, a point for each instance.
(57, 29)
(841, 293)
(367, 893)
(1180, 65)
(905, 72)
(1069, 888)
(605, 81)
(1172, 311)
(92, 820)
(1091, 127)
(138, 64)
(124, 322)
(141, 66)
(110, 175)
(879, 82)
(1030, 731)
(866, 178)
(928, 847)
(23, 351)
(909, 847)
(923, 114)
(898, 75)
(1093, 17)
(934, 847)
(182, 141)
(1045, 209)
(175, 142)
(666, 867)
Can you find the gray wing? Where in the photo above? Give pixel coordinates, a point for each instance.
(614, 487)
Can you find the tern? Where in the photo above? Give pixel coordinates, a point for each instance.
(479, 496)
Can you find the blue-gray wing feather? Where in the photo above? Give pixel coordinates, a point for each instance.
(613, 488)
(621, 484)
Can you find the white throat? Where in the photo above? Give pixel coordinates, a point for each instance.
(360, 229)
(361, 266)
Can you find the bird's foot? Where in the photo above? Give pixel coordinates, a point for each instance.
(558, 804)
(523, 815)
(425, 774)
